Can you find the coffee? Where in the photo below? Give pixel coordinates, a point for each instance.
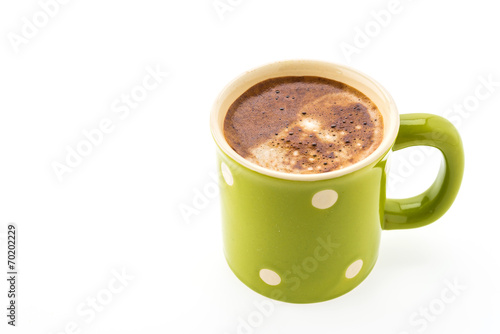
(303, 125)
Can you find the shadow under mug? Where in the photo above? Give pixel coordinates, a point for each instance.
(309, 238)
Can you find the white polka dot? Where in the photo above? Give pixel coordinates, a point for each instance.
(270, 277)
(226, 173)
(324, 199)
(354, 269)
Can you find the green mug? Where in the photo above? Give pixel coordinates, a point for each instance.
(305, 238)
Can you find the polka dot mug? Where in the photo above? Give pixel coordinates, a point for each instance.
(305, 238)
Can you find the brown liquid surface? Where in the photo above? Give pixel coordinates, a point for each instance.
(303, 125)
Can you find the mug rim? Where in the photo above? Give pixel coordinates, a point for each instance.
(391, 115)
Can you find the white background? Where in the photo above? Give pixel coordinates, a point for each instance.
(119, 209)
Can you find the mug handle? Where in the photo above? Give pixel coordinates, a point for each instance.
(423, 209)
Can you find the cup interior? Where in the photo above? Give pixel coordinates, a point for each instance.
(349, 76)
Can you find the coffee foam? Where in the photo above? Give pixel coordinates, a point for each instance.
(303, 125)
